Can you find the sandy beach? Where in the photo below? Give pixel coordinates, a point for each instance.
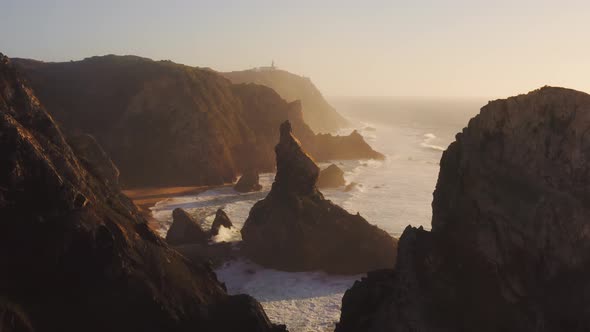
(145, 198)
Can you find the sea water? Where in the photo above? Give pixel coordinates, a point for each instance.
(392, 193)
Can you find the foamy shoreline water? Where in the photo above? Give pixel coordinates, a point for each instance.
(392, 194)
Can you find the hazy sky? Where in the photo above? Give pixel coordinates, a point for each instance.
(486, 48)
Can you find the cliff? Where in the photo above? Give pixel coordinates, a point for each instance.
(317, 112)
(166, 124)
(295, 229)
(162, 123)
(76, 254)
(508, 250)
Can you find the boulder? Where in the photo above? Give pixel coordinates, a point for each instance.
(295, 229)
(248, 182)
(350, 186)
(185, 229)
(331, 177)
(509, 248)
(221, 219)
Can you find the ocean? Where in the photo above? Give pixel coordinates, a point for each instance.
(392, 194)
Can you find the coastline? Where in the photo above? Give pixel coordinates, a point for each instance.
(145, 198)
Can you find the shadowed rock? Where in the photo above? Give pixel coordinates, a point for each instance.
(295, 229)
(76, 255)
(95, 158)
(248, 182)
(185, 229)
(331, 177)
(353, 146)
(221, 219)
(509, 248)
(166, 124)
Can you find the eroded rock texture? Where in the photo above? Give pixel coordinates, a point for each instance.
(331, 177)
(294, 228)
(509, 246)
(185, 229)
(75, 253)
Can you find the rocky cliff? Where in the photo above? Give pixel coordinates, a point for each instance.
(317, 112)
(76, 254)
(508, 250)
(162, 123)
(295, 229)
(166, 124)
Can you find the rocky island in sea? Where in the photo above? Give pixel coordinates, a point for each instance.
(296, 229)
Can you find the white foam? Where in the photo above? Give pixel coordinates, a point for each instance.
(304, 301)
(391, 193)
(427, 142)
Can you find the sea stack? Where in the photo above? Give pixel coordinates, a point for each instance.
(185, 229)
(221, 219)
(331, 177)
(509, 248)
(248, 182)
(295, 229)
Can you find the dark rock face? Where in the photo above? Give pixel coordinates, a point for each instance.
(350, 147)
(221, 219)
(94, 158)
(295, 229)
(248, 182)
(508, 250)
(320, 115)
(76, 254)
(331, 177)
(350, 186)
(185, 229)
(166, 124)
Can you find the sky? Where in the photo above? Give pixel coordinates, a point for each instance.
(448, 48)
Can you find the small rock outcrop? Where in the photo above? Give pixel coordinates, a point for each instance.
(185, 229)
(95, 158)
(331, 177)
(295, 229)
(509, 248)
(221, 219)
(248, 182)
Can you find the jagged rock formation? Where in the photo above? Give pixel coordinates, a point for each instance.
(295, 229)
(166, 124)
(76, 254)
(248, 182)
(509, 245)
(185, 229)
(221, 219)
(353, 146)
(320, 115)
(331, 177)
